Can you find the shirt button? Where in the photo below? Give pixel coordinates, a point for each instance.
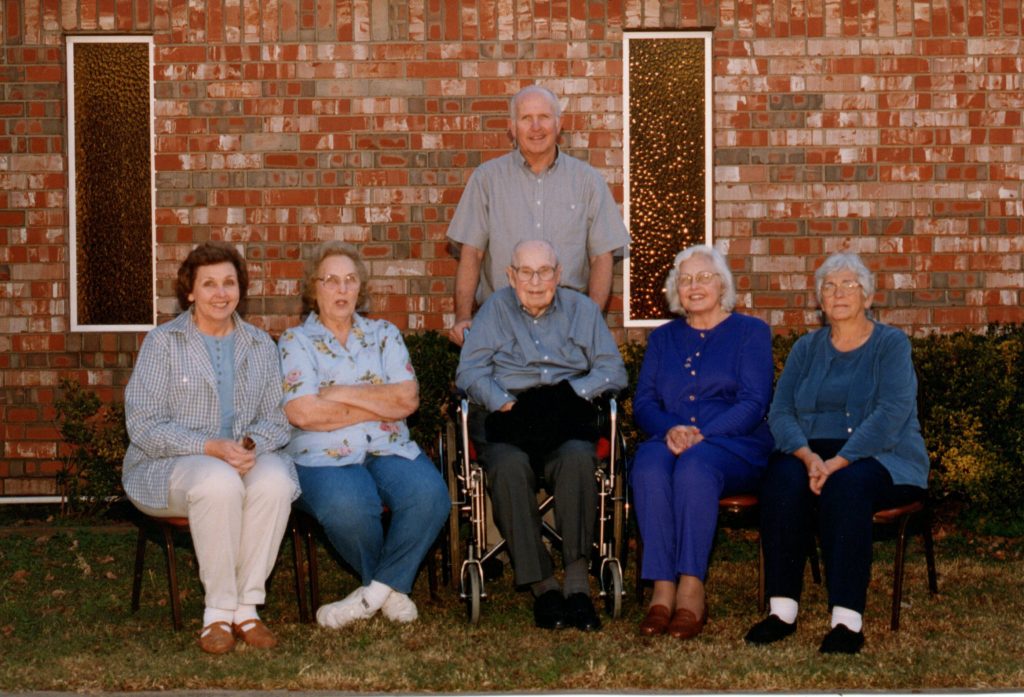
(693, 372)
(697, 354)
(693, 419)
(849, 430)
(702, 335)
(693, 397)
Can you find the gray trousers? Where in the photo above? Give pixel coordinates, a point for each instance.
(568, 475)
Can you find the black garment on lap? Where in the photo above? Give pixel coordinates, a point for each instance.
(543, 418)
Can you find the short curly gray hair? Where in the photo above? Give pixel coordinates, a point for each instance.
(717, 259)
(845, 261)
(556, 107)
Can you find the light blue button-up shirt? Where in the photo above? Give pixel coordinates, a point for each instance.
(373, 354)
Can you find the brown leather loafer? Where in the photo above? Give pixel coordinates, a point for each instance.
(656, 621)
(254, 633)
(685, 625)
(216, 638)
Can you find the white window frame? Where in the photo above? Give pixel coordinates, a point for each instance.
(72, 42)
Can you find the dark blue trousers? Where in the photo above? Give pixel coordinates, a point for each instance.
(843, 510)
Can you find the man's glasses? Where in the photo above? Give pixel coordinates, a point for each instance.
(526, 274)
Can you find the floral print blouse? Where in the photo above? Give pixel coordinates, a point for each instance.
(312, 358)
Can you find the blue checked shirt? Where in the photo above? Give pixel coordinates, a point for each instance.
(373, 354)
(172, 407)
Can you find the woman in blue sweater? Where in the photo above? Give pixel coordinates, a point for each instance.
(701, 399)
(844, 418)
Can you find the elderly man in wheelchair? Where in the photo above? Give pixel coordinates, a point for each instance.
(535, 359)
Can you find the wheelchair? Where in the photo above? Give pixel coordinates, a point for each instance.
(467, 487)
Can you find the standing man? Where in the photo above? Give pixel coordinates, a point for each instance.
(536, 358)
(534, 192)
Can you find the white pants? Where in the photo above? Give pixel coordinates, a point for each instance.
(237, 523)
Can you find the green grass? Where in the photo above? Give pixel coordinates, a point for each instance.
(65, 625)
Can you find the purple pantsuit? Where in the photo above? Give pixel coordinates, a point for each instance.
(719, 380)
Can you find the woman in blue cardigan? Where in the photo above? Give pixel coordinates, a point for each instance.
(702, 396)
(844, 418)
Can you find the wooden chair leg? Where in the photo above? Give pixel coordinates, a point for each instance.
(172, 574)
(314, 569)
(140, 560)
(300, 576)
(897, 573)
(929, 551)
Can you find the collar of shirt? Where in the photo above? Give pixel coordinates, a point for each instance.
(529, 170)
(554, 307)
(315, 329)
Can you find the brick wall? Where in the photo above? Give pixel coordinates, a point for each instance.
(888, 127)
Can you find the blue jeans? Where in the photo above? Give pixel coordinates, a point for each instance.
(347, 502)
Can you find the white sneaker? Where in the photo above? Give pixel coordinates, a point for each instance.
(353, 607)
(400, 608)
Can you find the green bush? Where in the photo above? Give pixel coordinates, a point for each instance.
(972, 418)
(434, 358)
(90, 477)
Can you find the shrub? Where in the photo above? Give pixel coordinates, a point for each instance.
(90, 477)
(434, 358)
(972, 419)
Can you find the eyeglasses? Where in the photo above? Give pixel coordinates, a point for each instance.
(526, 274)
(332, 282)
(828, 288)
(701, 278)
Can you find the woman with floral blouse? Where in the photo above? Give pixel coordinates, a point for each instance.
(348, 387)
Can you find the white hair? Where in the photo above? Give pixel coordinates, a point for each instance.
(845, 261)
(717, 260)
(556, 107)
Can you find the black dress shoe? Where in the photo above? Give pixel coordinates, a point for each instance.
(769, 630)
(580, 613)
(842, 639)
(549, 610)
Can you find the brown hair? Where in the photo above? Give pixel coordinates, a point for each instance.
(333, 248)
(207, 254)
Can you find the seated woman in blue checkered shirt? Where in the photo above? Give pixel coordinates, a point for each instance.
(203, 411)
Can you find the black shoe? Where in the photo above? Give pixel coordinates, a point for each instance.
(769, 630)
(580, 613)
(842, 640)
(549, 610)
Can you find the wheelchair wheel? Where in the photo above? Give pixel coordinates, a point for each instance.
(473, 588)
(611, 584)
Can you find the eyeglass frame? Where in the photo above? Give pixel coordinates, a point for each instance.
(829, 289)
(550, 271)
(685, 279)
(338, 283)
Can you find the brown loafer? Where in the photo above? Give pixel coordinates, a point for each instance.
(254, 633)
(656, 621)
(685, 625)
(216, 638)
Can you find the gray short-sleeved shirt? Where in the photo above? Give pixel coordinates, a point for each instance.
(569, 205)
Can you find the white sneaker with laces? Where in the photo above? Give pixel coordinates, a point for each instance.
(399, 607)
(351, 608)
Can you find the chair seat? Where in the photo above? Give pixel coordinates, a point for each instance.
(889, 516)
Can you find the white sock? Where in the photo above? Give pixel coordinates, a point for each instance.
(853, 620)
(783, 608)
(212, 614)
(245, 612)
(375, 594)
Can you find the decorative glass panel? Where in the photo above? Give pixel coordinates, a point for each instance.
(667, 159)
(112, 240)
